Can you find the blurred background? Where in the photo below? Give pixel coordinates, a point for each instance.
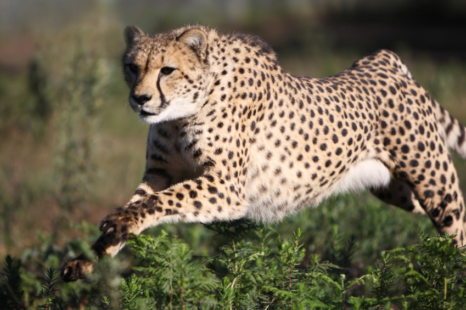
(71, 150)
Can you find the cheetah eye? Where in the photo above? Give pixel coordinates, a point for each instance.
(166, 70)
(132, 68)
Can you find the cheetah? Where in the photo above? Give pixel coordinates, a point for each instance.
(233, 135)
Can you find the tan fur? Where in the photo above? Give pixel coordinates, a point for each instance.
(232, 135)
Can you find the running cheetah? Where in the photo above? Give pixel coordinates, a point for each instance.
(232, 135)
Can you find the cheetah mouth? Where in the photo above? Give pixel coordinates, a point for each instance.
(145, 113)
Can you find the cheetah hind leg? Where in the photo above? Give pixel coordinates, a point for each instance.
(435, 187)
(400, 195)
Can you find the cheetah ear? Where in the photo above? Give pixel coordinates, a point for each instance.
(132, 33)
(195, 39)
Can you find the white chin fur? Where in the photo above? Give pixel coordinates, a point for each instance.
(176, 109)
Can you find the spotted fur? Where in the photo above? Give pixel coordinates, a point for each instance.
(232, 135)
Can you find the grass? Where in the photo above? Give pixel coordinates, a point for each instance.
(251, 267)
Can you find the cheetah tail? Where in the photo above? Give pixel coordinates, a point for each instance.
(452, 130)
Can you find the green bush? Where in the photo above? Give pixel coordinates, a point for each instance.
(255, 270)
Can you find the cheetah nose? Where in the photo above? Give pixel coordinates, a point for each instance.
(141, 99)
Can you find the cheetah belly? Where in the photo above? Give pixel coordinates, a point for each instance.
(369, 173)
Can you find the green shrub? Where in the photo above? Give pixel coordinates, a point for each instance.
(11, 293)
(255, 270)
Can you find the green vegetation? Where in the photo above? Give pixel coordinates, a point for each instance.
(345, 255)
(256, 269)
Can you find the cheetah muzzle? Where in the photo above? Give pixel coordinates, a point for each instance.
(232, 135)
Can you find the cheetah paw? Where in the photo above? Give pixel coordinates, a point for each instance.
(118, 225)
(76, 269)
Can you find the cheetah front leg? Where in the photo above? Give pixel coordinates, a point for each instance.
(82, 265)
(204, 199)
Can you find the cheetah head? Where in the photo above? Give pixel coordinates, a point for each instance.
(167, 73)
